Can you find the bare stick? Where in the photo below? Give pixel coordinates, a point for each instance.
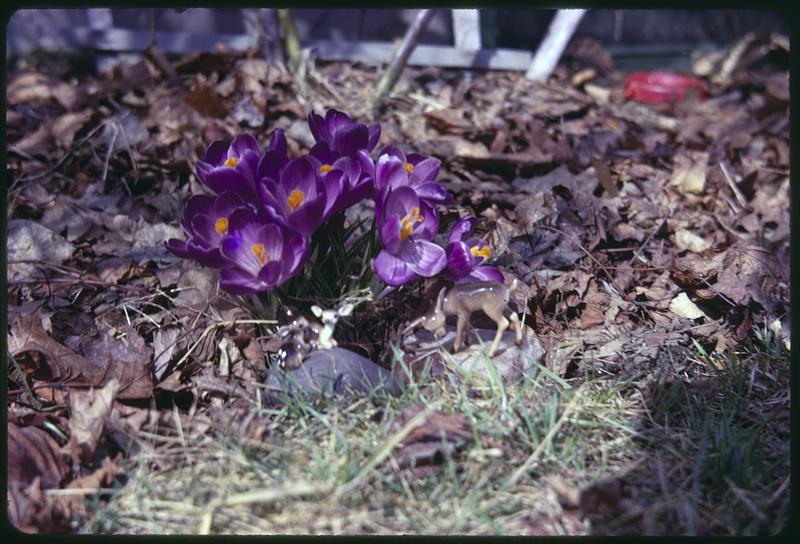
(401, 55)
(291, 44)
(555, 41)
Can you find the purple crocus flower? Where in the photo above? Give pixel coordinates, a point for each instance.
(300, 198)
(233, 166)
(407, 226)
(336, 134)
(392, 171)
(464, 256)
(356, 183)
(420, 169)
(261, 255)
(205, 221)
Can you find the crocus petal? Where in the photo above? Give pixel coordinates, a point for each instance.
(427, 260)
(318, 127)
(392, 270)
(203, 233)
(390, 234)
(483, 273)
(278, 142)
(216, 152)
(390, 173)
(374, 130)
(307, 217)
(196, 204)
(237, 250)
(242, 143)
(299, 174)
(427, 170)
(460, 261)
(350, 139)
(179, 248)
(336, 121)
(271, 164)
(350, 167)
(270, 275)
(225, 203)
(295, 253)
(225, 178)
(323, 153)
(366, 164)
(211, 258)
(461, 228)
(202, 169)
(272, 237)
(432, 192)
(248, 164)
(267, 189)
(239, 282)
(401, 201)
(356, 193)
(415, 158)
(240, 220)
(335, 185)
(392, 151)
(429, 228)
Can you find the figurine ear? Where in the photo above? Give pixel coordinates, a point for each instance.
(316, 310)
(440, 299)
(347, 309)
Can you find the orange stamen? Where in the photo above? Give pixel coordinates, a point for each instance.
(296, 198)
(221, 225)
(484, 251)
(325, 168)
(407, 223)
(259, 251)
(231, 162)
(409, 167)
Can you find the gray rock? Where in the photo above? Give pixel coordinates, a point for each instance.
(329, 372)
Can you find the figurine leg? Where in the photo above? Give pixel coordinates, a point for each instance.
(518, 327)
(459, 331)
(502, 325)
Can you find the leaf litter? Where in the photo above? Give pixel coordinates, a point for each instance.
(638, 232)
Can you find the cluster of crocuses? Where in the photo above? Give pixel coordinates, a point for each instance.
(256, 228)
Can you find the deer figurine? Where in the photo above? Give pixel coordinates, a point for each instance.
(302, 335)
(461, 300)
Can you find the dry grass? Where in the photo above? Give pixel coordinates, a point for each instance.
(702, 452)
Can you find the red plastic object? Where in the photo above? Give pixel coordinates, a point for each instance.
(661, 87)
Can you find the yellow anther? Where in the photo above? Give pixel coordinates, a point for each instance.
(231, 162)
(296, 198)
(407, 223)
(409, 167)
(259, 251)
(325, 168)
(221, 225)
(484, 251)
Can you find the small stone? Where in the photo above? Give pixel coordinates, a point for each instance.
(329, 372)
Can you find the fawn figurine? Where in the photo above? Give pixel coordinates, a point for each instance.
(302, 335)
(461, 300)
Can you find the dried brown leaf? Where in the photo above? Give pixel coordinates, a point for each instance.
(89, 410)
(435, 435)
(76, 370)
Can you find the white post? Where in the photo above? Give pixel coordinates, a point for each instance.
(467, 29)
(561, 29)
